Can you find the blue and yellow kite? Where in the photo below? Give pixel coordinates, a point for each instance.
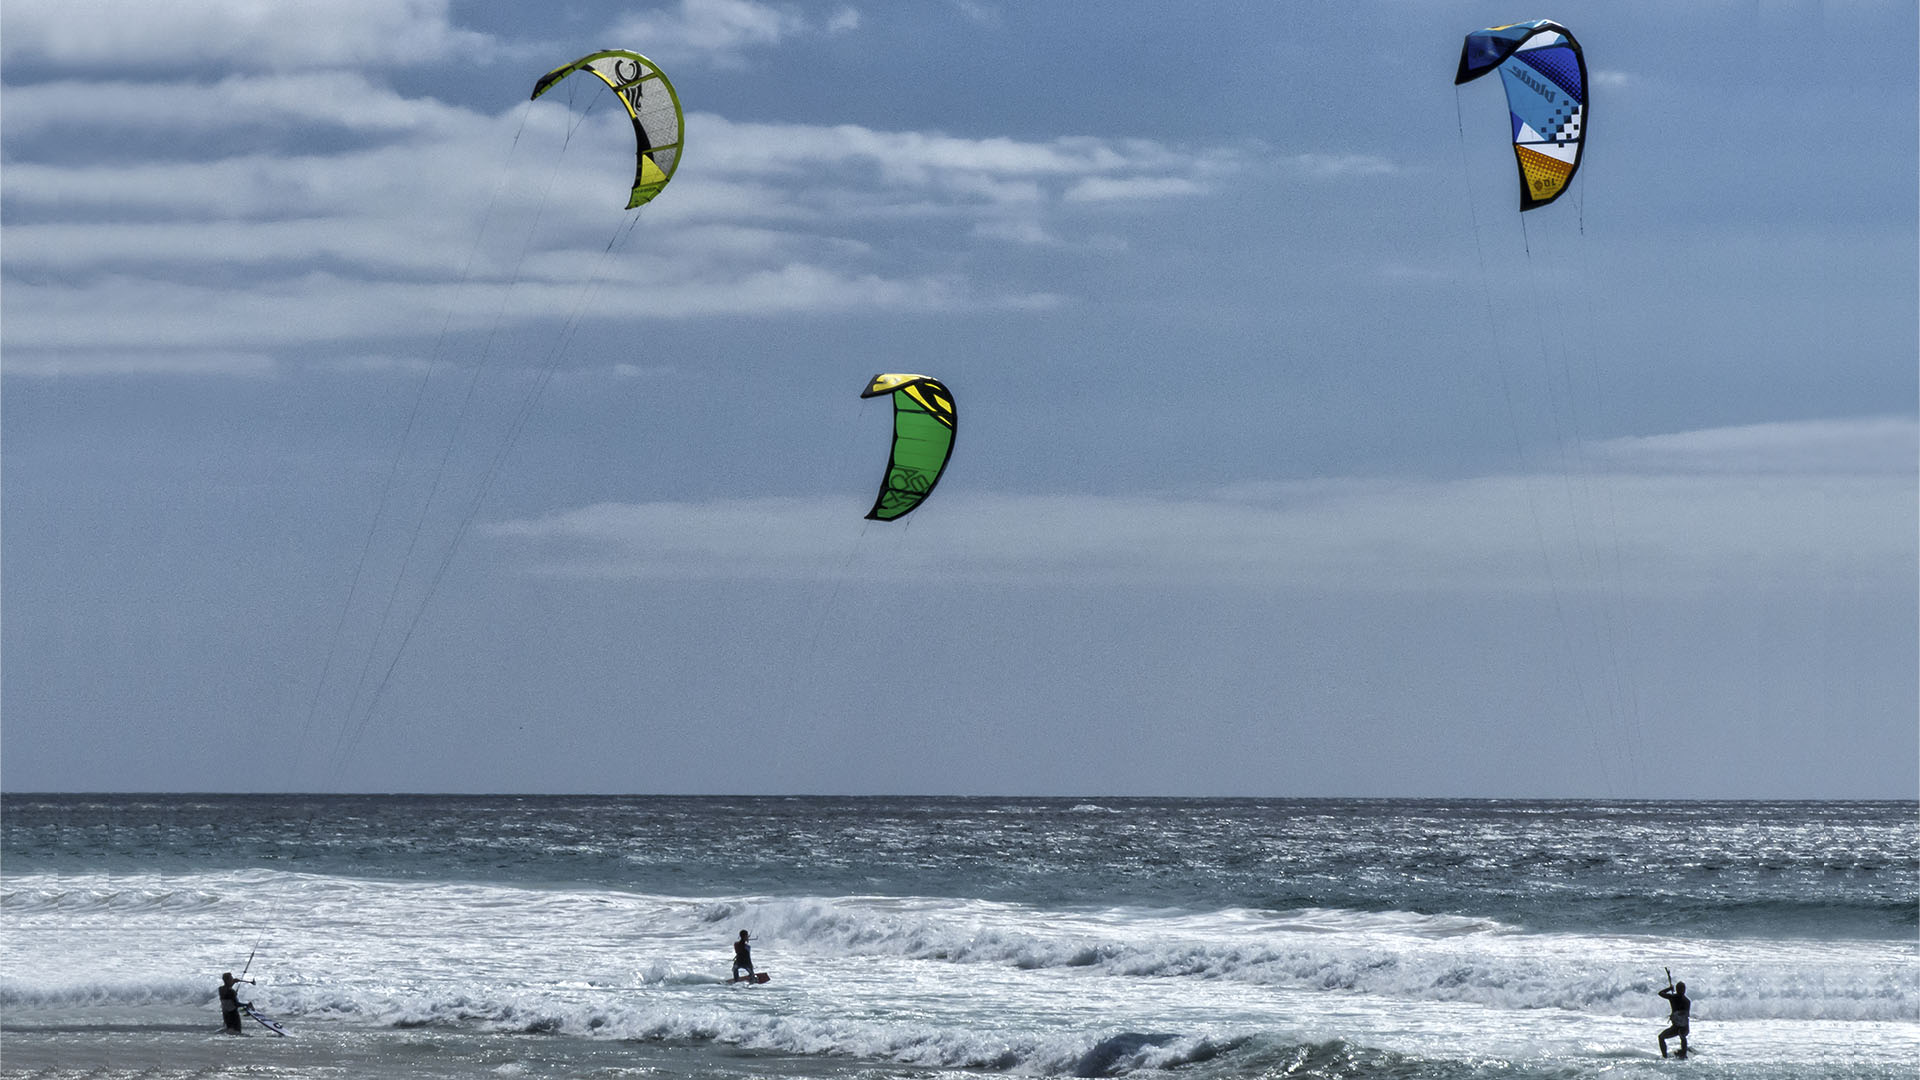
(1546, 79)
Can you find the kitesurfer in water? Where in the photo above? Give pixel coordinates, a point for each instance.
(1676, 995)
(230, 1003)
(742, 957)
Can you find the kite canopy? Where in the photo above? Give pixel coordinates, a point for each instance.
(923, 427)
(1546, 79)
(650, 101)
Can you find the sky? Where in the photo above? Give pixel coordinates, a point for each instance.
(353, 437)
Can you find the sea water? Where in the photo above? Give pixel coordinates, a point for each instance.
(401, 936)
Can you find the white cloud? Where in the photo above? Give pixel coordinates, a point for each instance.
(1341, 166)
(1030, 233)
(119, 313)
(429, 161)
(114, 35)
(347, 100)
(228, 245)
(1887, 444)
(987, 15)
(1112, 189)
(135, 361)
(851, 174)
(381, 363)
(1662, 530)
(719, 30)
(595, 378)
(427, 152)
(919, 158)
(642, 371)
(326, 207)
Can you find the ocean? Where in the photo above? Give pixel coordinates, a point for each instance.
(532, 937)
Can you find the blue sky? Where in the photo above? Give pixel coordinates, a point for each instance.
(355, 438)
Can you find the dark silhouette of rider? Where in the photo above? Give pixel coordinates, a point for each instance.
(1676, 995)
(742, 956)
(230, 1003)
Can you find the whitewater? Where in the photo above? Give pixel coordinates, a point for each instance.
(463, 936)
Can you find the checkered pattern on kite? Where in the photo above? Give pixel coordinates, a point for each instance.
(1561, 128)
(1568, 130)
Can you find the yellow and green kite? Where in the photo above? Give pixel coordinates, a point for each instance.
(923, 426)
(651, 102)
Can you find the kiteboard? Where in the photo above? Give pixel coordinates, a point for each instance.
(267, 1022)
(755, 979)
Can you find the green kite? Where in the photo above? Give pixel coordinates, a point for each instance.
(923, 426)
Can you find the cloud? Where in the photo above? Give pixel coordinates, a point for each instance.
(980, 14)
(285, 205)
(916, 158)
(346, 100)
(718, 31)
(1111, 189)
(1661, 529)
(1341, 166)
(110, 36)
(380, 363)
(134, 316)
(1877, 445)
(642, 371)
(418, 213)
(1029, 233)
(441, 144)
(82, 363)
(420, 160)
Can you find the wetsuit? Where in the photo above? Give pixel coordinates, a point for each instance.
(742, 957)
(1677, 1022)
(230, 1007)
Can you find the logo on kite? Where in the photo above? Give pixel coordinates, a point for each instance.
(924, 422)
(650, 100)
(1546, 79)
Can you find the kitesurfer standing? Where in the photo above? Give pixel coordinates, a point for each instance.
(1676, 995)
(742, 957)
(230, 1003)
